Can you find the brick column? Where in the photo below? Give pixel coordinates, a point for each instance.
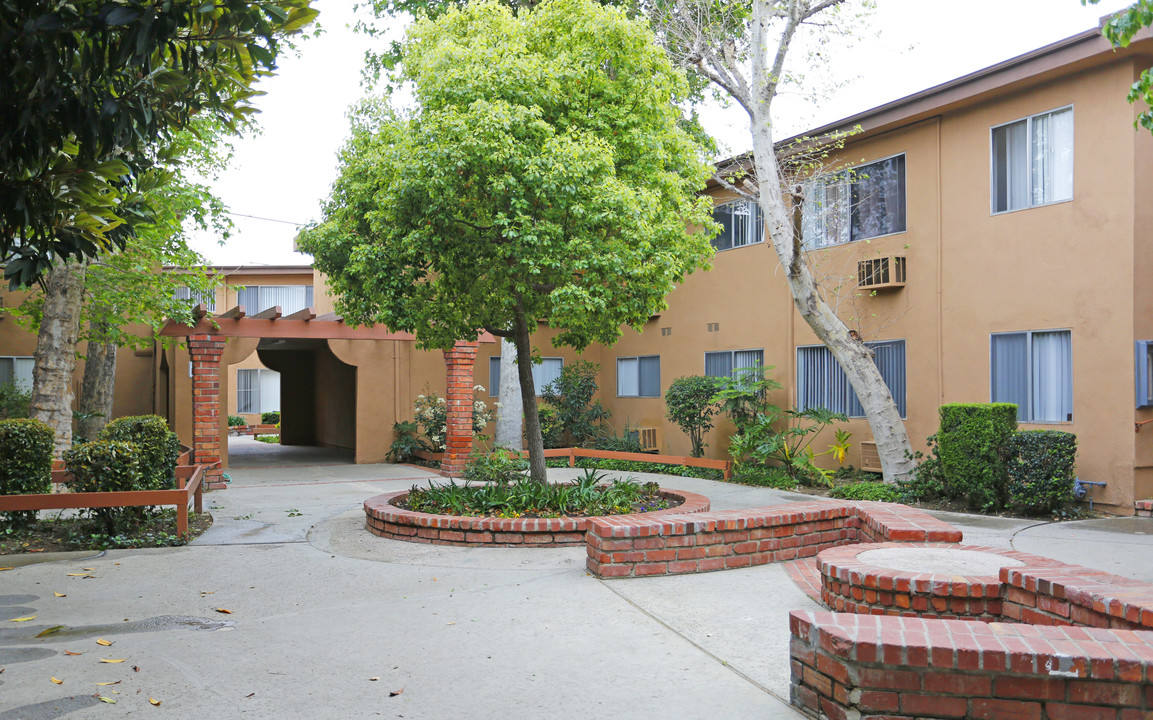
(458, 440)
(205, 351)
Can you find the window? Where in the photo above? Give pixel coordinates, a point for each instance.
(1033, 161)
(822, 383)
(543, 373)
(857, 204)
(16, 370)
(290, 298)
(208, 298)
(1035, 371)
(741, 224)
(727, 362)
(1144, 367)
(257, 391)
(639, 376)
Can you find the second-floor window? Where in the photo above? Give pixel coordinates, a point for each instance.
(729, 363)
(741, 224)
(857, 204)
(208, 298)
(290, 298)
(1033, 161)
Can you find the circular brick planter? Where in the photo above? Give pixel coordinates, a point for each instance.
(933, 580)
(387, 520)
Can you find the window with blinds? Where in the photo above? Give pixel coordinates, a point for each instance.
(639, 376)
(543, 373)
(1034, 370)
(18, 371)
(730, 363)
(822, 383)
(290, 298)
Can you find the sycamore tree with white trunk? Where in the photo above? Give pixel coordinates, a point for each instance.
(743, 49)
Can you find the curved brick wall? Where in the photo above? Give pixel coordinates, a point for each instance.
(387, 520)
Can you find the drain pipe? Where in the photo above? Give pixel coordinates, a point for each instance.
(1081, 490)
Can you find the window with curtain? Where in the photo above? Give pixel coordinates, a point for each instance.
(729, 363)
(858, 204)
(18, 371)
(741, 224)
(543, 373)
(290, 298)
(257, 391)
(639, 376)
(1033, 161)
(1034, 370)
(822, 383)
(208, 298)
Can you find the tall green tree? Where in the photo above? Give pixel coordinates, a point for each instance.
(90, 89)
(543, 174)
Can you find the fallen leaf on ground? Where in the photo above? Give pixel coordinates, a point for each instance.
(102, 641)
(106, 699)
(50, 631)
(109, 660)
(207, 592)
(37, 550)
(56, 680)
(450, 623)
(24, 619)
(374, 679)
(222, 610)
(69, 652)
(135, 668)
(77, 574)
(3, 569)
(114, 682)
(394, 693)
(154, 701)
(60, 594)
(88, 569)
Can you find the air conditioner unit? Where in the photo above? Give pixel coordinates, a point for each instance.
(881, 273)
(648, 437)
(870, 458)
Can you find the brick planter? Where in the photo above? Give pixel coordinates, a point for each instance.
(851, 581)
(385, 519)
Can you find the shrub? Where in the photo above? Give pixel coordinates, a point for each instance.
(645, 467)
(926, 482)
(106, 466)
(236, 421)
(571, 394)
(14, 401)
(432, 415)
(867, 491)
(791, 445)
(270, 418)
(689, 404)
(745, 395)
(765, 476)
(499, 466)
(25, 463)
(551, 428)
(972, 442)
(407, 442)
(625, 442)
(1040, 468)
(159, 447)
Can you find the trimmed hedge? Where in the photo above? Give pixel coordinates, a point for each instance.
(159, 447)
(270, 418)
(1040, 468)
(25, 462)
(865, 490)
(636, 466)
(972, 442)
(106, 466)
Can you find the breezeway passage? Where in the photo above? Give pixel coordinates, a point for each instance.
(320, 606)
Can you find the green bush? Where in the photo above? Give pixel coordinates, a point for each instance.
(765, 476)
(971, 442)
(407, 442)
(571, 395)
(499, 466)
(551, 427)
(866, 491)
(25, 463)
(106, 466)
(628, 441)
(158, 447)
(689, 404)
(14, 401)
(270, 418)
(1040, 470)
(236, 421)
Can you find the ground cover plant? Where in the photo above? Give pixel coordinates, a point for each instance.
(590, 495)
(638, 466)
(59, 533)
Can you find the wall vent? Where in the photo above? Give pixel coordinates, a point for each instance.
(714, 327)
(870, 458)
(666, 331)
(881, 273)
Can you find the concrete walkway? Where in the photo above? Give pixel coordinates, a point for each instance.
(326, 620)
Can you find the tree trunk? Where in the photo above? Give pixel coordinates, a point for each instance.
(99, 383)
(536, 467)
(508, 416)
(851, 353)
(55, 359)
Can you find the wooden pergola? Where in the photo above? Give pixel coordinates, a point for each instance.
(206, 339)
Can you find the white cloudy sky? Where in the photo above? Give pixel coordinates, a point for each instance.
(283, 174)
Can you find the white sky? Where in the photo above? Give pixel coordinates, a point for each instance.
(284, 173)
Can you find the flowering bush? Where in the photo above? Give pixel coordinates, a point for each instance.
(432, 415)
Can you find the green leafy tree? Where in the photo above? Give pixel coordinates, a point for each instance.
(786, 438)
(745, 394)
(90, 92)
(1120, 29)
(689, 402)
(572, 396)
(543, 174)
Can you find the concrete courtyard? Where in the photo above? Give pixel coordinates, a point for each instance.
(328, 621)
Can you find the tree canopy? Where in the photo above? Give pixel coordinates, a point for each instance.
(92, 89)
(543, 175)
(1120, 29)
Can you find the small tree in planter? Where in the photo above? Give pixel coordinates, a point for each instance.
(689, 403)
